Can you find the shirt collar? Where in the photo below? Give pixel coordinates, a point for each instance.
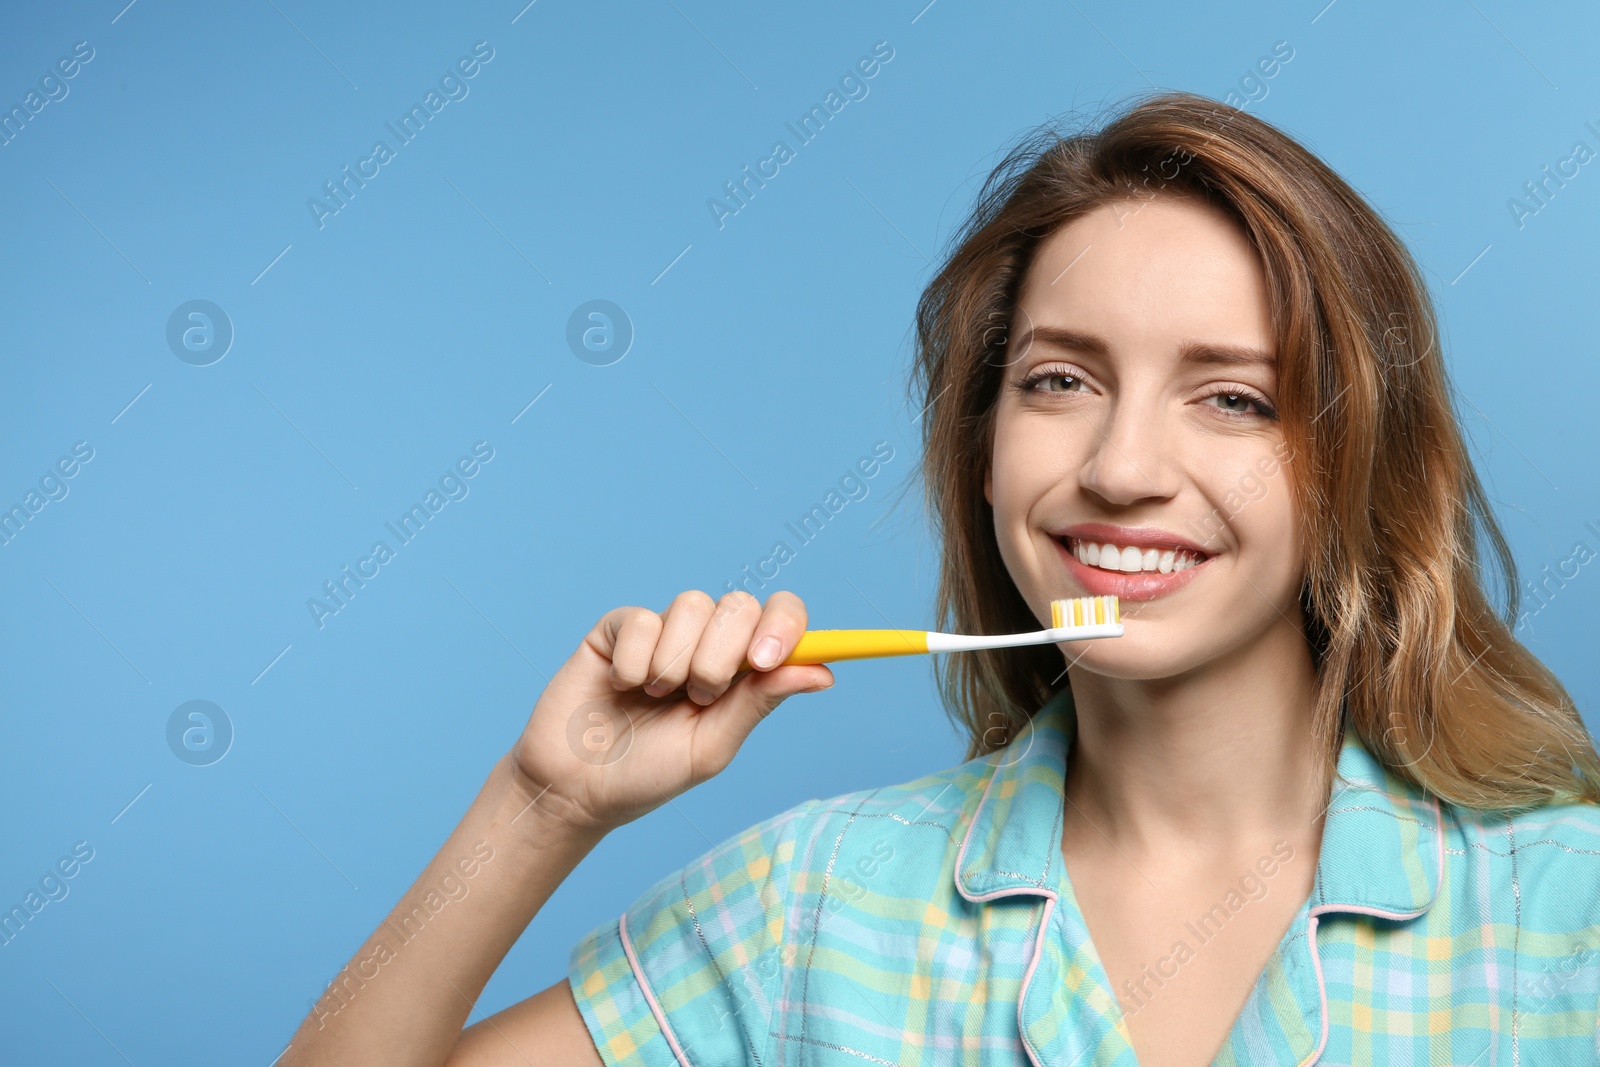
(1013, 840)
(1382, 840)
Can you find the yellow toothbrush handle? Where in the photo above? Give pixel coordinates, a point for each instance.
(826, 646)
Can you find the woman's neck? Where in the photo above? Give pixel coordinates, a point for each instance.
(1213, 761)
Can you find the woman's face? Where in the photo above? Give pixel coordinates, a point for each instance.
(1138, 410)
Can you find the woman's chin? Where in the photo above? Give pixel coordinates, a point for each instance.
(1129, 658)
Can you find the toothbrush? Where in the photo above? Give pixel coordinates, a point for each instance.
(1079, 619)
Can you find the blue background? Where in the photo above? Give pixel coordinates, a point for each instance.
(768, 356)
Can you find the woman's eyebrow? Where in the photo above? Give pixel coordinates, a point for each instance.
(1063, 337)
(1190, 352)
(1202, 352)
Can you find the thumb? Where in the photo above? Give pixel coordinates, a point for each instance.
(729, 720)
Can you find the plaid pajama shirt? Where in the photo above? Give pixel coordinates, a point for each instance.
(933, 923)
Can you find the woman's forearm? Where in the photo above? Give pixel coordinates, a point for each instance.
(404, 996)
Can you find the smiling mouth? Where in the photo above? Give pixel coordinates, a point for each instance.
(1131, 559)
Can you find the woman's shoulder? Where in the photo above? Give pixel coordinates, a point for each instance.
(911, 823)
(933, 799)
(1546, 856)
(1559, 829)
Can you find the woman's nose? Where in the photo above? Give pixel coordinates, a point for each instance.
(1129, 457)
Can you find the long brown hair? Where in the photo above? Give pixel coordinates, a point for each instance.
(1408, 648)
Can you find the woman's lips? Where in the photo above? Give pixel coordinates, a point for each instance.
(1142, 585)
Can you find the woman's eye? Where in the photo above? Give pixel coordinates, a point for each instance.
(1051, 382)
(1235, 401)
(1240, 404)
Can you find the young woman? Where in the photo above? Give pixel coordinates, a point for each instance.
(1318, 802)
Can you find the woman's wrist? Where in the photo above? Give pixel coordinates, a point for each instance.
(541, 812)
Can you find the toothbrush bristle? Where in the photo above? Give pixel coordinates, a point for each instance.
(1085, 611)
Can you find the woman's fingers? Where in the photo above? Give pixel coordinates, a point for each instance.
(632, 633)
(783, 620)
(774, 633)
(722, 646)
(699, 643)
(686, 619)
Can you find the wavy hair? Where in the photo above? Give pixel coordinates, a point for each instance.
(1408, 648)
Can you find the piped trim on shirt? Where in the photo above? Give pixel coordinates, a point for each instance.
(1027, 976)
(649, 994)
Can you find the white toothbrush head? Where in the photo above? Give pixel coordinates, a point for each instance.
(1086, 616)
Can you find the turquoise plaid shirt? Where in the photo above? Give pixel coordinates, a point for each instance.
(933, 923)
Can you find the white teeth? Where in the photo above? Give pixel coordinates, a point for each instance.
(1128, 559)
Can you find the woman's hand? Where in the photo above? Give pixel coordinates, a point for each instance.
(648, 706)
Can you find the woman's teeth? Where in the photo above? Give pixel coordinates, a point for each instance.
(1109, 557)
